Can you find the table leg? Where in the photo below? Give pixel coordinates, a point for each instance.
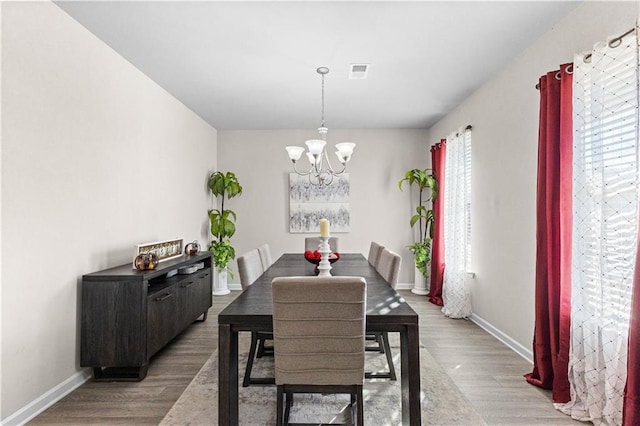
(410, 376)
(227, 376)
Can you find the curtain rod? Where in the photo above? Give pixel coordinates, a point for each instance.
(614, 42)
(468, 127)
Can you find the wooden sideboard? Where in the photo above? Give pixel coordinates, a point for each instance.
(128, 315)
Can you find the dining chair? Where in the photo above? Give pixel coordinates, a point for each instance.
(389, 268)
(374, 257)
(374, 253)
(265, 256)
(313, 312)
(312, 243)
(249, 269)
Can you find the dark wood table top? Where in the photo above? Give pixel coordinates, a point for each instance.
(386, 309)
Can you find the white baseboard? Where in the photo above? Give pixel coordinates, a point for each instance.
(47, 399)
(512, 344)
(404, 286)
(234, 286)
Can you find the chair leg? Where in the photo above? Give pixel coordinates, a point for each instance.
(387, 350)
(260, 348)
(360, 407)
(353, 410)
(263, 349)
(252, 353)
(380, 340)
(391, 374)
(279, 407)
(287, 408)
(374, 337)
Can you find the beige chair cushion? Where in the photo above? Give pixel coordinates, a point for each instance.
(249, 268)
(318, 330)
(312, 243)
(265, 256)
(389, 266)
(374, 253)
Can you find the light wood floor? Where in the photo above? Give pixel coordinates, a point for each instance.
(487, 372)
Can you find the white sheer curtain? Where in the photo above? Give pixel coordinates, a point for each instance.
(605, 227)
(457, 203)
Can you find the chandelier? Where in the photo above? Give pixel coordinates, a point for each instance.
(321, 172)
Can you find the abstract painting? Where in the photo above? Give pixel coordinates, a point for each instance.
(309, 203)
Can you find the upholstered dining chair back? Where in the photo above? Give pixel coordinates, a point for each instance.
(249, 268)
(374, 254)
(265, 256)
(312, 243)
(389, 266)
(319, 312)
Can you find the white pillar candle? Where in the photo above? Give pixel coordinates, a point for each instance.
(324, 228)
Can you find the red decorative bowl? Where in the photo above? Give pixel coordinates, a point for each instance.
(314, 256)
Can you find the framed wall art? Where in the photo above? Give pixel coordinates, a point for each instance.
(309, 203)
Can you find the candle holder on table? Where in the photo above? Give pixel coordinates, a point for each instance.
(324, 267)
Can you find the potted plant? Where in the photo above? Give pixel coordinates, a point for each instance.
(421, 249)
(224, 186)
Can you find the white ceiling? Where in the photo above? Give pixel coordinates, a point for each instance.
(251, 65)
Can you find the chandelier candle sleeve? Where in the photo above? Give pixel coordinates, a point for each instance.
(324, 227)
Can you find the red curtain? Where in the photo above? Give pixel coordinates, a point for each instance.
(553, 236)
(438, 153)
(631, 409)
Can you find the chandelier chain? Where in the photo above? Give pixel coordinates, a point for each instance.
(322, 120)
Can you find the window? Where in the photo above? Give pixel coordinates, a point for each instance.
(605, 226)
(457, 224)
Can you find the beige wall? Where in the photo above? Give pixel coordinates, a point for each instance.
(379, 211)
(95, 159)
(504, 115)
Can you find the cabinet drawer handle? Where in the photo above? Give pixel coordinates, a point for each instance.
(204, 275)
(185, 285)
(161, 298)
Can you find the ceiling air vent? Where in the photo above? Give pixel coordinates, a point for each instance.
(358, 71)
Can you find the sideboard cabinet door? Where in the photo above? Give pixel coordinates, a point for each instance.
(162, 310)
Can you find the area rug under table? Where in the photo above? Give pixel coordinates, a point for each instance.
(442, 402)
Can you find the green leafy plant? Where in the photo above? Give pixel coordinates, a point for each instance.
(428, 191)
(223, 253)
(224, 186)
(421, 252)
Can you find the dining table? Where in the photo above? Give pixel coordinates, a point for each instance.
(387, 311)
